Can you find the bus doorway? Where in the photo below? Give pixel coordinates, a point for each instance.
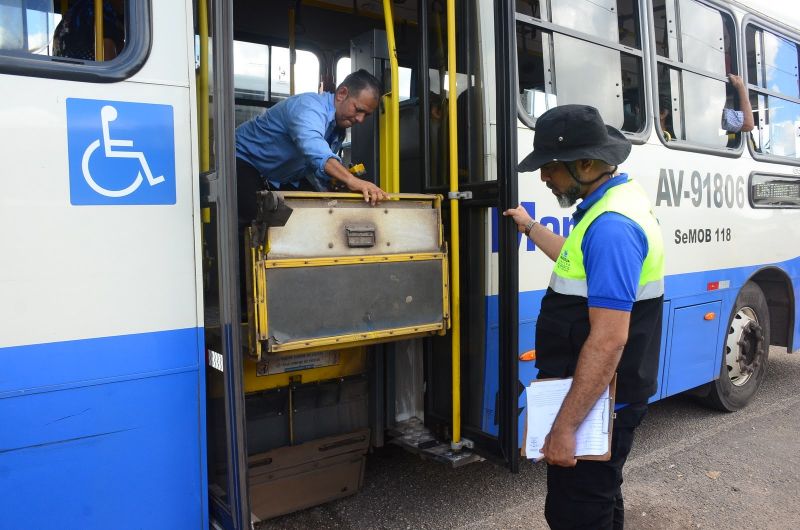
(293, 412)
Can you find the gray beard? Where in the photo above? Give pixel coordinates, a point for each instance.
(570, 197)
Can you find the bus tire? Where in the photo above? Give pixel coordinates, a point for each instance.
(745, 352)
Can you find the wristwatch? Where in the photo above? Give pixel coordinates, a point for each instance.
(529, 226)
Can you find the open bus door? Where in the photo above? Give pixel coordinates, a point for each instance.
(226, 446)
(487, 262)
(242, 445)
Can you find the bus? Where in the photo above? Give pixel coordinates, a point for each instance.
(143, 386)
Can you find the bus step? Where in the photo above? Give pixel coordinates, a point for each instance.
(412, 436)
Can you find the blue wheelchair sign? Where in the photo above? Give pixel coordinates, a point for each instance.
(120, 152)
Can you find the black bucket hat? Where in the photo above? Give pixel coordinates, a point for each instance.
(575, 132)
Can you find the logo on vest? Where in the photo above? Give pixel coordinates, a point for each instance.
(563, 262)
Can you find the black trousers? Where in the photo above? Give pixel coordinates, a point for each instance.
(589, 495)
(248, 182)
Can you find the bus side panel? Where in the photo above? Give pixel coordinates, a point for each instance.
(104, 453)
(688, 291)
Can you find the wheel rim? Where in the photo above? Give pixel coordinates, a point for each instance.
(743, 347)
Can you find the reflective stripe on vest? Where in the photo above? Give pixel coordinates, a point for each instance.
(630, 200)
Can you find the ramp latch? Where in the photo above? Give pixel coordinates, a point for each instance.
(360, 235)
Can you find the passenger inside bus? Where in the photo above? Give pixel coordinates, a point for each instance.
(733, 120)
(665, 117)
(74, 35)
(294, 144)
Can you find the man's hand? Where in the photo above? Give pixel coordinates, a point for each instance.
(736, 81)
(520, 216)
(372, 193)
(559, 448)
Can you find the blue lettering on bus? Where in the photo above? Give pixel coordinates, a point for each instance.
(561, 226)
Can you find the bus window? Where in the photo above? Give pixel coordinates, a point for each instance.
(343, 68)
(600, 41)
(695, 53)
(38, 27)
(27, 27)
(772, 68)
(56, 39)
(259, 66)
(469, 94)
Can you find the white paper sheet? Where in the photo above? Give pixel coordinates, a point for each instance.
(544, 400)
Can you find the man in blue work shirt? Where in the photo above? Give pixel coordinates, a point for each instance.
(293, 145)
(602, 312)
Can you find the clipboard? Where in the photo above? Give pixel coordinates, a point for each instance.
(611, 402)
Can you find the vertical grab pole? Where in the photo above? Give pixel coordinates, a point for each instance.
(99, 41)
(393, 114)
(455, 295)
(202, 88)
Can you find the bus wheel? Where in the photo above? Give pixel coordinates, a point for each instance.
(744, 356)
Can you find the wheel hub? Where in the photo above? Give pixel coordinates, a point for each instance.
(744, 347)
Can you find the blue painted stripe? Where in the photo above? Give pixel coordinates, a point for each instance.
(120, 455)
(680, 290)
(42, 367)
(109, 433)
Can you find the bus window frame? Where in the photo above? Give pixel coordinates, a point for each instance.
(788, 34)
(639, 137)
(139, 42)
(657, 60)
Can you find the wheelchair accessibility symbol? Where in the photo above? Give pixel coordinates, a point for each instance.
(120, 152)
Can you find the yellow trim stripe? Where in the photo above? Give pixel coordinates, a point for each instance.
(363, 339)
(335, 195)
(350, 260)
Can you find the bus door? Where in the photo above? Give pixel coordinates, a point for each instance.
(488, 345)
(226, 451)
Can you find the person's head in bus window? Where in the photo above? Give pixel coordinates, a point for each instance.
(74, 35)
(665, 117)
(574, 149)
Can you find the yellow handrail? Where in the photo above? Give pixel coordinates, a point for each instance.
(202, 88)
(393, 115)
(455, 297)
(99, 41)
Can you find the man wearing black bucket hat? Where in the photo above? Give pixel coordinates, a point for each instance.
(603, 309)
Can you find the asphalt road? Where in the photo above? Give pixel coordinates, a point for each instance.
(691, 467)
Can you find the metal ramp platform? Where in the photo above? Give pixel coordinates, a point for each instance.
(412, 436)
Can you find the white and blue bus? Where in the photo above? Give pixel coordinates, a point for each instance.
(141, 386)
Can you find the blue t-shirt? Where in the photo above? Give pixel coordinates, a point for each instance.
(292, 140)
(614, 248)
